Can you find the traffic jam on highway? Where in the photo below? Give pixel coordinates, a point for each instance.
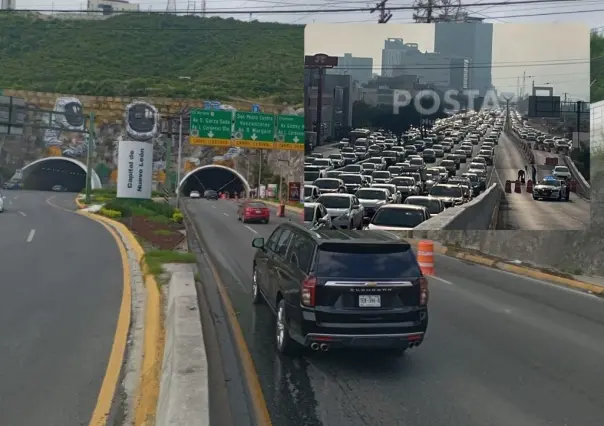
(374, 180)
(556, 186)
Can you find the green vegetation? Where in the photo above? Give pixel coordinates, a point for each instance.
(597, 67)
(149, 54)
(157, 212)
(155, 259)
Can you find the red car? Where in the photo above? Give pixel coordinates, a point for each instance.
(253, 211)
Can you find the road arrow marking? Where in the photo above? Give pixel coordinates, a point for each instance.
(296, 139)
(210, 134)
(254, 137)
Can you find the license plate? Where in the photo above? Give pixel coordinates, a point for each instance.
(367, 301)
(258, 211)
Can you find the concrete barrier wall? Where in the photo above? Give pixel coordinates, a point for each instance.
(583, 187)
(183, 395)
(480, 213)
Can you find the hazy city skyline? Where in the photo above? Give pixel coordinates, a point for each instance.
(549, 53)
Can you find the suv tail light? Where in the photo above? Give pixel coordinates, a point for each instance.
(424, 293)
(309, 286)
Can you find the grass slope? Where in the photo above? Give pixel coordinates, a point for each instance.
(145, 54)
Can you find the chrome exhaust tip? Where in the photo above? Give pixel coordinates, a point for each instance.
(314, 346)
(324, 347)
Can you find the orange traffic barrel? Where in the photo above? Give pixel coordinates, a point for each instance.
(425, 257)
(529, 186)
(517, 187)
(508, 186)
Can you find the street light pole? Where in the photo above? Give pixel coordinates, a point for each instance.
(179, 161)
(89, 158)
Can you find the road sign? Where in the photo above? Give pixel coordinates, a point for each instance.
(256, 108)
(290, 132)
(211, 127)
(254, 130)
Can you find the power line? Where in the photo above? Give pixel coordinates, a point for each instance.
(289, 11)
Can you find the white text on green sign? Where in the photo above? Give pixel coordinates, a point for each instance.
(211, 124)
(255, 127)
(290, 128)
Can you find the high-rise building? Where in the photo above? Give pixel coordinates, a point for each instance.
(359, 69)
(433, 69)
(8, 5)
(468, 40)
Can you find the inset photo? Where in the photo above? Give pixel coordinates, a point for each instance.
(448, 126)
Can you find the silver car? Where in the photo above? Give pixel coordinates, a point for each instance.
(372, 199)
(345, 210)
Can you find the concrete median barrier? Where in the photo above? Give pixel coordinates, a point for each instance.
(480, 213)
(183, 395)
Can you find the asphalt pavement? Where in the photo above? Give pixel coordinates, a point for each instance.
(501, 350)
(521, 211)
(62, 282)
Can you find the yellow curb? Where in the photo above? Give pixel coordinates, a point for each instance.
(148, 386)
(475, 259)
(539, 275)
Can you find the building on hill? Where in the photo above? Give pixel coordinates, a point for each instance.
(109, 6)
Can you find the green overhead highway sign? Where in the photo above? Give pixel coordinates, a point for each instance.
(211, 127)
(290, 132)
(254, 130)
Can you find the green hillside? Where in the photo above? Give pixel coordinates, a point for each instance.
(597, 68)
(149, 54)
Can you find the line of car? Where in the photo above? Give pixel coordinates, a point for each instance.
(388, 183)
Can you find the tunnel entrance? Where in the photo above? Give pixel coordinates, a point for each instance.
(68, 173)
(214, 177)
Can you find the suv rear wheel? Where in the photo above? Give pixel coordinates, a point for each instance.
(285, 344)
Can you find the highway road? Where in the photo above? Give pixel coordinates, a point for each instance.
(501, 350)
(62, 282)
(521, 211)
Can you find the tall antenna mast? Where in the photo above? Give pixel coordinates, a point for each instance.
(385, 14)
(171, 6)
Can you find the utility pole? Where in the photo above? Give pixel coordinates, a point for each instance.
(320, 62)
(579, 105)
(385, 14)
(89, 158)
(259, 172)
(179, 161)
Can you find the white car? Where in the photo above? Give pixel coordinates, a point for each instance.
(194, 194)
(398, 217)
(561, 172)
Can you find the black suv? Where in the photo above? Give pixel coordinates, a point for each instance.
(339, 289)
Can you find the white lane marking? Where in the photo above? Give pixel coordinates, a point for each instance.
(535, 280)
(213, 207)
(22, 214)
(251, 229)
(225, 214)
(440, 279)
(30, 237)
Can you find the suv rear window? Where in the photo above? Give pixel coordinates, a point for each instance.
(367, 261)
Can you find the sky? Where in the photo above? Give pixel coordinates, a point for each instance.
(555, 55)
